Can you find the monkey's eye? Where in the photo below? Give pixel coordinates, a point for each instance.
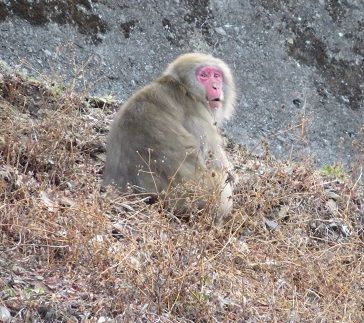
(217, 75)
(204, 74)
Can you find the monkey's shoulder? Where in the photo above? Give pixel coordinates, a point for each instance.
(161, 97)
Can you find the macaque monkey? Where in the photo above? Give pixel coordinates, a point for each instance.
(165, 138)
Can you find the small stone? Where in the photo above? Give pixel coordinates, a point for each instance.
(221, 31)
(332, 195)
(65, 201)
(270, 224)
(283, 212)
(4, 314)
(332, 206)
(47, 52)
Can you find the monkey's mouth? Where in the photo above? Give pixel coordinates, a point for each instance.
(215, 103)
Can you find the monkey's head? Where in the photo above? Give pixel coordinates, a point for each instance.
(209, 79)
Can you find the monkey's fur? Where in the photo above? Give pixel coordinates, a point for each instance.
(166, 136)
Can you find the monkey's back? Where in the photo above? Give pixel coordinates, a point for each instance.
(148, 139)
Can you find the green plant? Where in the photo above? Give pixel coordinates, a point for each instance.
(333, 170)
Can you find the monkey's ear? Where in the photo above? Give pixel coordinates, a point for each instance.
(227, 111)
(229, 93)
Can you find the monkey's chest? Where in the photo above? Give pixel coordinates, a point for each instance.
(209, 146)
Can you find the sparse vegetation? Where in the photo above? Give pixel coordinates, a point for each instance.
(292, 252)
(333, 170)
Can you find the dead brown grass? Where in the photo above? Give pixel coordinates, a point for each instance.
(292, 252)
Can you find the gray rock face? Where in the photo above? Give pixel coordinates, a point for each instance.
(298, 64)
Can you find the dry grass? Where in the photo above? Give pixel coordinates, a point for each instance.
(292, 252)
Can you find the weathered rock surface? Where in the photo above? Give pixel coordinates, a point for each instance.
(299, 65)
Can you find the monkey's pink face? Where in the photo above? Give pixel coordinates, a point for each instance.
(211, 78)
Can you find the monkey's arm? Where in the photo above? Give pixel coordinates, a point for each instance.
(171, 152)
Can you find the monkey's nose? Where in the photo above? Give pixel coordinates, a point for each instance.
(215, 85)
